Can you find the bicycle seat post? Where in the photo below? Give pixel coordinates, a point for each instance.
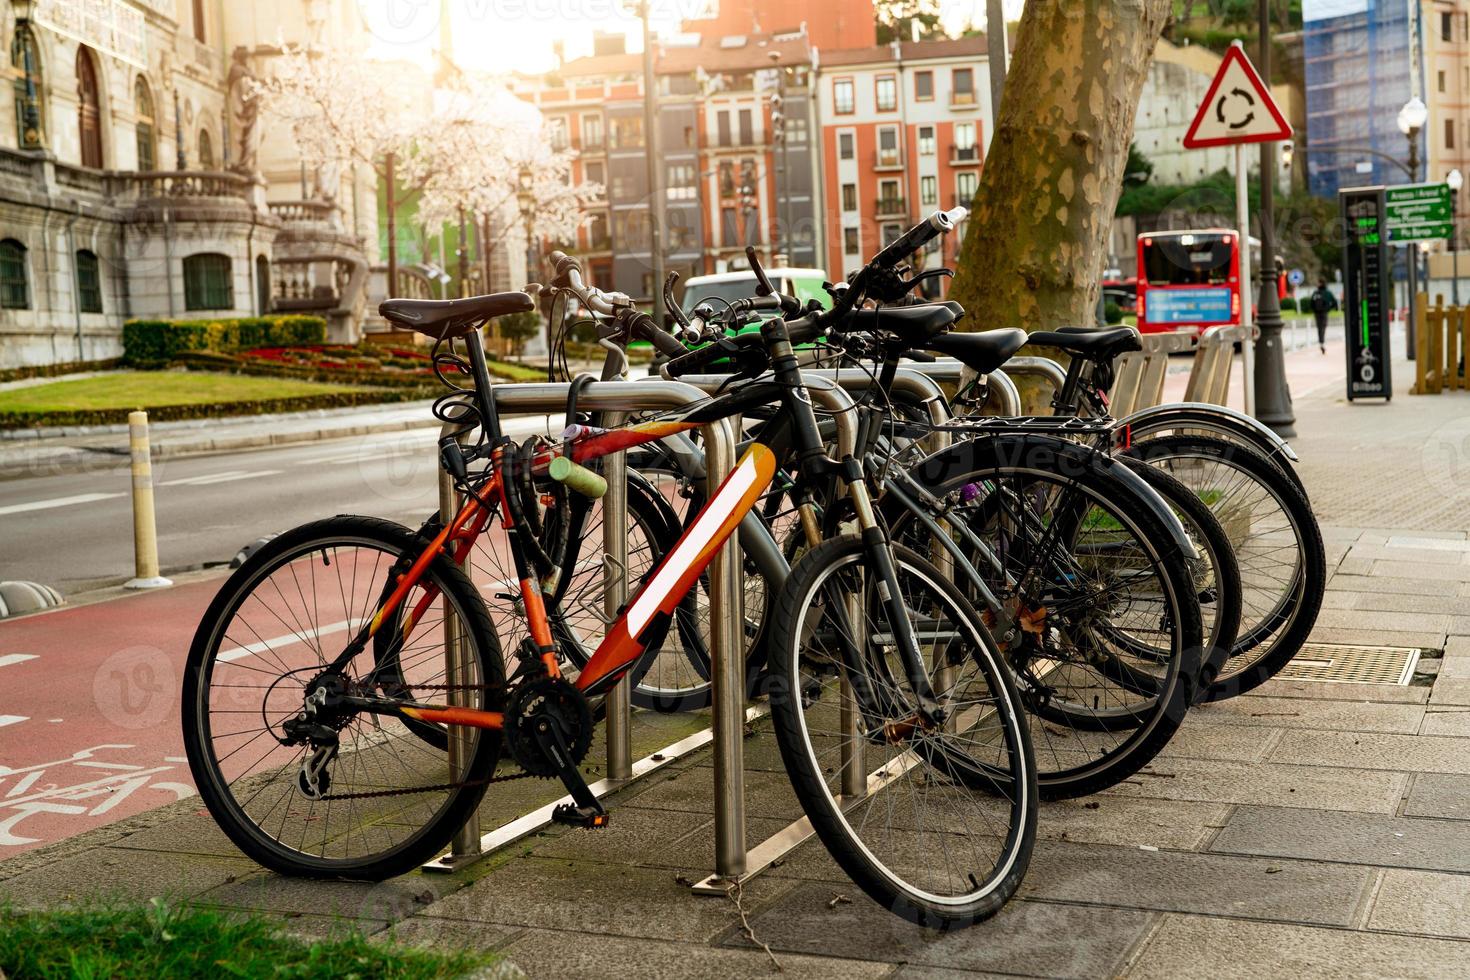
(484, 395)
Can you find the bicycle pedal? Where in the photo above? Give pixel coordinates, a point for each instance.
(579, 816)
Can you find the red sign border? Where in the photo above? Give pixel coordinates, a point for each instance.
(1236, 53)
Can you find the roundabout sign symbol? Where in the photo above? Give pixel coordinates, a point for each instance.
(1237, 107)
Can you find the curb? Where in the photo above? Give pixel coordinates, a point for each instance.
(120, 428)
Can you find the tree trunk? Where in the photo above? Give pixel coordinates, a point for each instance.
(1038, 231)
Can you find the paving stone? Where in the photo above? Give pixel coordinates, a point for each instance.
(767, 794)
(1354, 566)
(1342, 599)
(1024, 937)
(1450, 690)
(1454, 668)
(1425, 902)
(1410, 603)
(1459, 544)
(1265, 784)
(1355, 838)
(1311, 713)
(357, 901)
(1329, 691)
(1381, 621)
(1172, 824)
(1176, 881)
(1378, 584)
(1224, 949)
(1420, 556)
(638, 902)
(1373, 750)
(548, 953)
(1407, 569)
(1435, 794)
(192, 834)
(442, 934)
(107, 873)
(1354, 636)
(914, 972)
(1198, 739)
(632, 836)
(1448, 721)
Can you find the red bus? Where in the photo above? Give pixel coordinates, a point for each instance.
(1190, 280)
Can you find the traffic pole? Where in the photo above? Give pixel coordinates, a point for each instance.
(1243, 219)
(145, 528)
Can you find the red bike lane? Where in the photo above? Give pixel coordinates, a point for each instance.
(89, 713)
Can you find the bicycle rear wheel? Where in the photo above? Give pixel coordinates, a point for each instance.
(387, 798)
(937, 825)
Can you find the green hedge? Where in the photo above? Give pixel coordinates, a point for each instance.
(164, 413)
(153, 343)
(56, 370)
(1288, 305)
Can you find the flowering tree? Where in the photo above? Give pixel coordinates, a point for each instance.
(458, 154)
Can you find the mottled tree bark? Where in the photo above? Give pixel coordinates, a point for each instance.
(1038, 231)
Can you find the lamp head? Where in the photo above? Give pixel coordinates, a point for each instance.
(1413, 116)
(1455, 180)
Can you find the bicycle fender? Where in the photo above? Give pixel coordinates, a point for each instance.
(1229, 419)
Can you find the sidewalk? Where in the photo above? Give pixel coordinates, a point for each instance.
(1308, 829)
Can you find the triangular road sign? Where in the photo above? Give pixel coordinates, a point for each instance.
(1238, 108)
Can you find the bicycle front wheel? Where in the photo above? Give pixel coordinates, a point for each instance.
(384, 798)
(937, 824)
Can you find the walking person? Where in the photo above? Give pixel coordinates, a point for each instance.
(1323, 303)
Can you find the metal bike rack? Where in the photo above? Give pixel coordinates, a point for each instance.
(947, 370)
(726, 616)
(1044, 368)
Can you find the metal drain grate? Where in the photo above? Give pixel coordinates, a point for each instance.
(1347, 664)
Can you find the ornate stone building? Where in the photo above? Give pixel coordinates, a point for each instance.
(138, 180)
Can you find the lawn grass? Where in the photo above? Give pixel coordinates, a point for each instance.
(161, 940)
(155, 389)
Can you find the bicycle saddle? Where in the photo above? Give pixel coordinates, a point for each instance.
(983, 352)
(1088, 342)
(441, 318)
(914, 325)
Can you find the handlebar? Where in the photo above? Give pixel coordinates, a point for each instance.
(788, 304)
(918, 236)
(569, 276)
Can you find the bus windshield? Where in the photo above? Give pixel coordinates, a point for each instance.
(1188, 260)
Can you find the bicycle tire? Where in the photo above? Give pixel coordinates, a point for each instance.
(461, 795)
(855, 848)
(1289, 622)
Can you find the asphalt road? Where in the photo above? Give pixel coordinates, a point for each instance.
(75, 532)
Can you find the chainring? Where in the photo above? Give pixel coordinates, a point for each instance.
(546, 699)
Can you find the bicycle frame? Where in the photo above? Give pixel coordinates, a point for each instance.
(644, 619)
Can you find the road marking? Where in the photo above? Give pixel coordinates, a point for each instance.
(240, 653)
(81, 498)
(11, 719)
(16, 658)
(210, 480)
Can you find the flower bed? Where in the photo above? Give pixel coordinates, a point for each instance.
(343, 357)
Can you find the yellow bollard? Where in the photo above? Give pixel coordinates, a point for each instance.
(145, 529)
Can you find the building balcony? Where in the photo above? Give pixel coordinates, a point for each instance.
(887, 160)
(963, 100)
(961, 156)
(887, 207)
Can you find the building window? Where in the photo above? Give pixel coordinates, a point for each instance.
(964, 186)
(206, 151)
(199, 33)
(729, 231)
(923, 86)
(89, 282)
(627, 132)
(722, 127)
(15, 291)
(891, 234)
(889, 200)
(595, 172)
(556, 132)
(727, 179)
(25, 63)
(926, 141)
(849, 197)
(1441, 81)
(747, 128)
(262, 285)
(1446, 27)
(850, 243)
(964, 143)
(845, 144)
(679, 182)
(928, 190)
(89, 110)
(962, 91)
(888, 146)
(592, 132)
(207, 282)
(1449, 134)
(795, 129)
(885, 91)
(842, 98)
(143, 109)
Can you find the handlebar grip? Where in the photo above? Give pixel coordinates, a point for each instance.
(695, 360)
(641, 326)
(918, 236)
(561, 262)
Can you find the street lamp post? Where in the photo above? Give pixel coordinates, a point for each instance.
(1412, 118)
(526, 199)
(1455, 180)
(1272, 393)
